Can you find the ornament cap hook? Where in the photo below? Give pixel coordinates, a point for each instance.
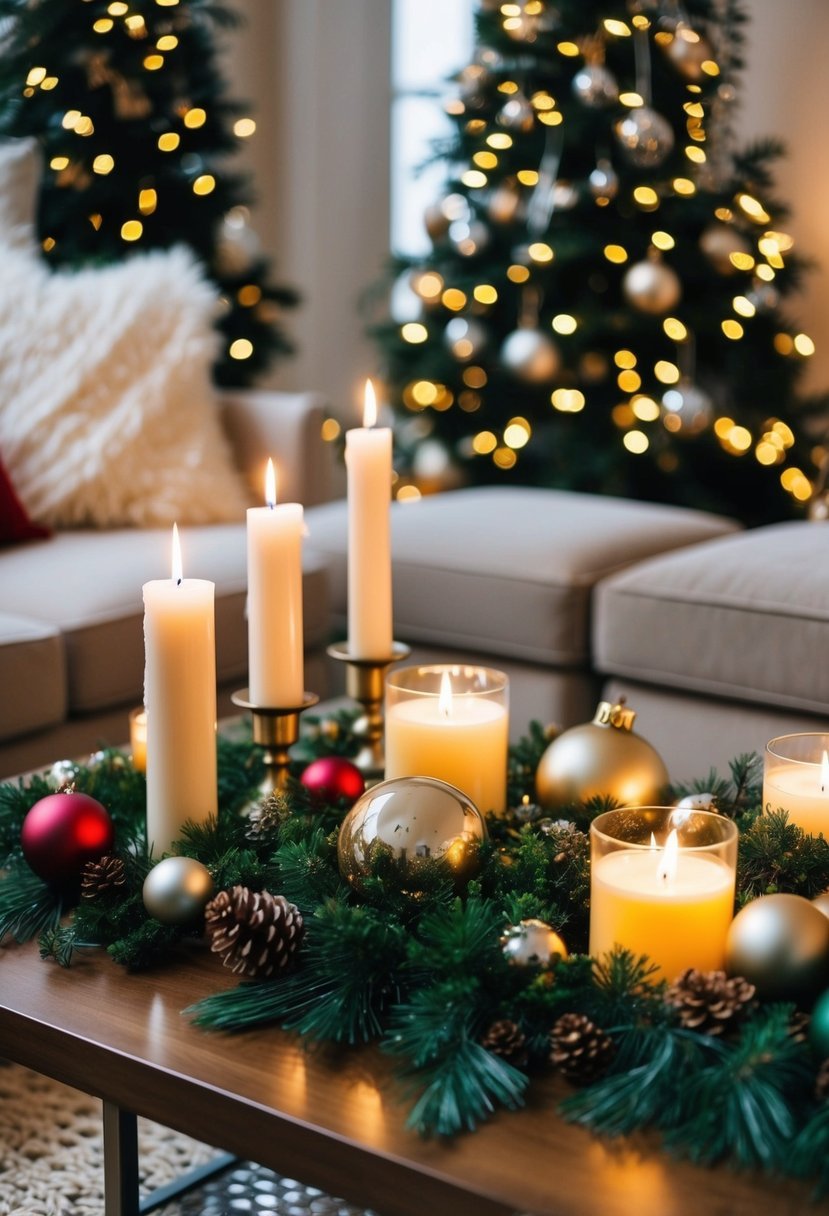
(608, 714)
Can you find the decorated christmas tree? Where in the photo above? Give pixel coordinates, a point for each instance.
(601, 308)
(129, 108)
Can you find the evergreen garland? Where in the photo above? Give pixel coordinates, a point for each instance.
(426, 976)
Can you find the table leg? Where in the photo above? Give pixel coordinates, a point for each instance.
(120, 1162)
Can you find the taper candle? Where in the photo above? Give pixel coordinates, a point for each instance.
(275, 638)
(368, 462)
(180, 699)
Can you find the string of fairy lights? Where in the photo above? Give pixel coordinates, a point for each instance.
(741, 241)
(73, 166)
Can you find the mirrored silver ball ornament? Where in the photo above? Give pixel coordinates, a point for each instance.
(652, 287)
(61, 774)
(469, 236)
(595, 86)
(517, 114)
(532, 943)
(530, 355)
(604, 180)
(465, 338)
(690, 407)
(718, 241)
(698, 802)
(410, 820)
(780, 943)
(645, 137)
(176, 890)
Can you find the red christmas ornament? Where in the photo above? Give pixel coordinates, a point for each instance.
(62, 832)
(331, 778)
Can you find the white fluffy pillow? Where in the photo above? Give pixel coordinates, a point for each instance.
(107, 412)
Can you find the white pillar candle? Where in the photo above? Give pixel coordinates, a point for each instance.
(180, 699)
(461, 739)
(275, 661)
(368, 461)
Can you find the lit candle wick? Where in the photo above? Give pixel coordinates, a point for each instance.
(177, 572)
(668, 859)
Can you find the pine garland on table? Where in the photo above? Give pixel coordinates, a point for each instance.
(427, 976)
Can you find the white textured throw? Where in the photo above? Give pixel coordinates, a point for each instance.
(107, 412)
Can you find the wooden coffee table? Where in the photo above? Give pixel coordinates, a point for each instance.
(333, 1119)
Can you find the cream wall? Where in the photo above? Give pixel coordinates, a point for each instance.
(317, 73)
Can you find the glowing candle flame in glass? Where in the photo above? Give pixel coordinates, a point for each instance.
(369, 405)
(668, 859)
(445, 698)
(176, 572)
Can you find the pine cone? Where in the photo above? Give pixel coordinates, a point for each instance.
(103, 875)
(822, 1082)
(505, 1039)
(709, 1001)
(256, 933)
(579, 1049)
(267, 816)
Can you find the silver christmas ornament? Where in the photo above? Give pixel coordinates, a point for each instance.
(698, 802)
(763, 296)
(404, 302)
(411, 820)
(62, 774)
(718, 241)
(469, 237)
(516, 114)
(472, 81)
(238, 245)
(565, 196)
(530, 355)
(465, 338)
(604, 180)
(532, 943)
(688, 51)
(176, 890)
(645, 137)
(595, 86)
(505, 203)
(691, 408)
(652, 287)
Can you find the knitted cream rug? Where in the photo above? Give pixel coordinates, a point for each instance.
(51, 1161)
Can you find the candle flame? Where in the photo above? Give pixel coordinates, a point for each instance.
(653, 844)
(445, 698)
(369, 406)
(270, 484)
(177, 574)
(824, 772)
(666, 871)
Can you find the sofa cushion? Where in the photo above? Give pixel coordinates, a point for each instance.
(87, 584)
(744, 617)
(32, 675)
(508, 571)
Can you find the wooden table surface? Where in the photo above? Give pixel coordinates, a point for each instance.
(333, 1119)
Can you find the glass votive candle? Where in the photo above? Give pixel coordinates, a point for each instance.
(662, 883)
(138, 739)
(796, 780)
(452, 723)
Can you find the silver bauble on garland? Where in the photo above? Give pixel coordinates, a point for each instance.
(652, 287)
(690, 407)
(404, 302)
(600, 759)
(595, 86)
(646, 138)
(532, 943)
(516, 114)
(176, 890)
(604, 180)
(718, 241)
(468, 236)
(505, 203)
(410, 820)
(465, 338)
(238, 246)
(780, 943)
(688, 51)
(530, 355)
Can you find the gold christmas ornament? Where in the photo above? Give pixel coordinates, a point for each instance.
(505, 203)
(688, 51)
(780, 943)
(821, 902)
(532, 943)
(652, 287)
(604, 758)
(176, 890)
(410, 819)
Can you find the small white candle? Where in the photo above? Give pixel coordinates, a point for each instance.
(802, 790)
(461, 739)
(368, 462)
(180, 699)
(275, 639)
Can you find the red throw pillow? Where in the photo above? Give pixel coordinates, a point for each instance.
(15, 524)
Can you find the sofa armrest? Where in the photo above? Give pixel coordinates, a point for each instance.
(287, 426)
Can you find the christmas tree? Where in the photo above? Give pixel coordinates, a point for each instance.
(601, 306)
(129, 107)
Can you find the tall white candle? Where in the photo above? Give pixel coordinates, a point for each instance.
(276, 676)
(368, 461)
(180, 699)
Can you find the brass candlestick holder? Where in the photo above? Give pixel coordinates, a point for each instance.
(365, 682)
(275, 730)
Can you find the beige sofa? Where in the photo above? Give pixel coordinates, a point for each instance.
(71, 634)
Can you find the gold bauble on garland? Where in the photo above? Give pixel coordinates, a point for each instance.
(780, 943)
(410, 820)
(604, 758)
